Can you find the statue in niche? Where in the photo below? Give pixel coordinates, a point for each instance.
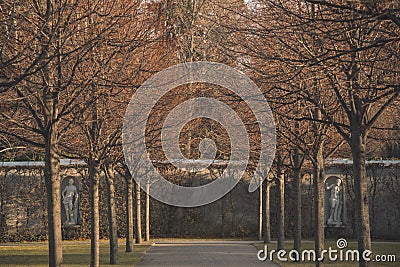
(335, 203)
(70, 200)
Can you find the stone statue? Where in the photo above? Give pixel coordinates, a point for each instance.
(335, 202)
(70, 201)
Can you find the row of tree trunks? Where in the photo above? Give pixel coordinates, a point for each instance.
(131, 224)
(135, 223)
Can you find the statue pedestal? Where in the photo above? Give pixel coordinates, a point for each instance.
(71, 226)
(71, 231)
(335, 225)
(335, 231)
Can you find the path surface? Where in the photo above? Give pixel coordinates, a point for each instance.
(203, 254)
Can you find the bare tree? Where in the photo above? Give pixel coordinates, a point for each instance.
(123, 170)
(347, 48)
(22, 48)
(41, 101)
(358, 89)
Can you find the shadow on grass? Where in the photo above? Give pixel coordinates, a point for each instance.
(23, 260)
(73, 255)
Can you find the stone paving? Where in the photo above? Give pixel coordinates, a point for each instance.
(203, 254)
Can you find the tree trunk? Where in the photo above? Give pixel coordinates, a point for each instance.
(3, 200)
(138, 221)
(112, 215)
(222, 217)
(297, 200)
(267, 212)
(361, 193)
(260, 211)
(129, 212)
(94, 208)
(53, 183)
(147, 237)
(319, 190)
(281, 205)
(52, 172)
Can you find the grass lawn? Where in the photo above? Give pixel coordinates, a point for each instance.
(201, 239)
(378, 248)
(75, 253)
